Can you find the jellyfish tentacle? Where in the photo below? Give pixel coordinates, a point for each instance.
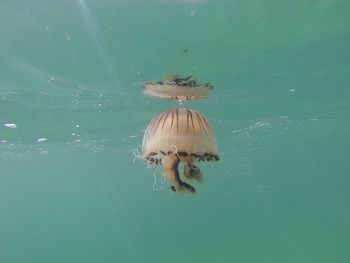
(171, 170)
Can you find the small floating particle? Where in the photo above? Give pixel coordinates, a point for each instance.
(239, 130)
(10, 125)
(42, 140)
(291, 90)
(187, 50)
(51, 79)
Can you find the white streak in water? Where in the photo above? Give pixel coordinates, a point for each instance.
(10, 125)
(99, 40)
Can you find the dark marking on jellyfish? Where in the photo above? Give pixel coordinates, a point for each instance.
(182, 81)
(187, 119)
(167, 114)
(163, 153)
(204, 156)
(208, 126)
(177, 121)
(152, 154)
(172, 120)
(169, 152)
(199, 119)
(182, 154)
(152, 160)
(159, 120)
(191, 119)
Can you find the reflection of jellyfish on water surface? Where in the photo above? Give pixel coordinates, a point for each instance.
(175, 87)
(179, 135)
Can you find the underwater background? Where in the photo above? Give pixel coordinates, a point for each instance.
(72, 117)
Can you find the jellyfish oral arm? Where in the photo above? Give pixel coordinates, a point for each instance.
(171, 170)
(191, 171)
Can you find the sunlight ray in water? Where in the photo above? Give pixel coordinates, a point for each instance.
(100, 42)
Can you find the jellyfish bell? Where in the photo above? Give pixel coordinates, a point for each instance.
(179, 135)
(175, 87)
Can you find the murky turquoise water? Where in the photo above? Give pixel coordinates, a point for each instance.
(72, 115)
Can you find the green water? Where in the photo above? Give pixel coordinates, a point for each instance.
(72, 115)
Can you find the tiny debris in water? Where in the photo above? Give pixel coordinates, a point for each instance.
(42, 140)
(187, 50)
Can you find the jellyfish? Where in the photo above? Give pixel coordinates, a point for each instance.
(175, 87)
(180, 135)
